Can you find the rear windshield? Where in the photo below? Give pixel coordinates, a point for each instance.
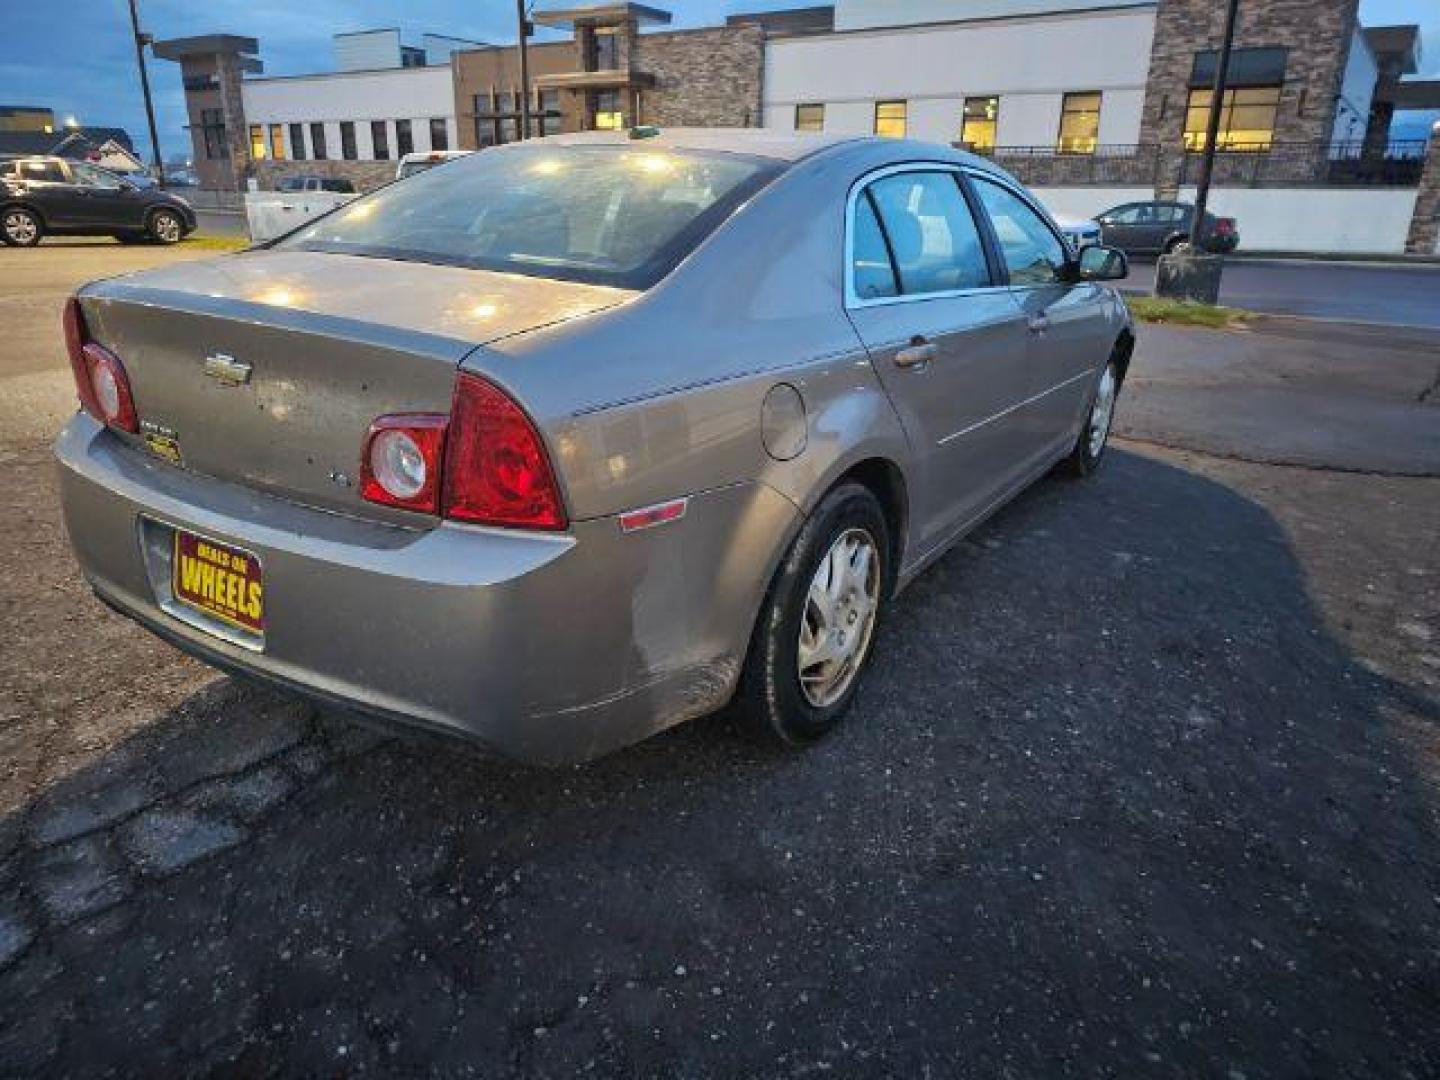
(606, 215)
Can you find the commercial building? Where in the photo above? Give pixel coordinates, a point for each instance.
(1109, 96)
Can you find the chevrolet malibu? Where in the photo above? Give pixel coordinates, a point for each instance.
(575, 439)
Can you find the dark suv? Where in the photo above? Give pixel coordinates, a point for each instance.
(40, 195)
(1156, 227)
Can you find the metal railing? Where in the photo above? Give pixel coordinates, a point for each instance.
(1285, 164)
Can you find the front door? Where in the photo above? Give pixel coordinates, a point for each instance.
(1066, 318)
(946, 338)
(106, 203)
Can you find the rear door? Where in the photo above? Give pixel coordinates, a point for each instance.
(1065, 317)
(49, 187)
(945, 336)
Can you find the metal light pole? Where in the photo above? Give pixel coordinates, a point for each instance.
(524, 26)
(141, 40)
(1212, 126)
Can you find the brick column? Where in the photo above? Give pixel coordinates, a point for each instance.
(232, 104)
(1425, 223)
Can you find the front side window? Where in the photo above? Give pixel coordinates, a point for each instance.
(1033, 254)
(1079, 124)
(439, 135)
(91, 177)
(380, 139)
(608, 215)
(347, 140)
(257, 142)
(981, 119)
(404, 139)
(933, 240)
(297, 141)
(890, 119)
(317, 140)
(809, 117)
(1247, 118)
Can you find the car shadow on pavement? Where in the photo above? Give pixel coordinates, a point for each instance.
(1111, 799)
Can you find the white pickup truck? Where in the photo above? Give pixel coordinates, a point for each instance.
(297, 200)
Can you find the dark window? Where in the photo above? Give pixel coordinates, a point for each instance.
(404, 141)
(1033, 254)
(297, 141)
(347, 140)
(439, 135)
(380, 139)
(43, 172)
(872, 273)
(933, 237)
(608, 215)
(508, 129)
(549, 113)
(1248, 67)
(317, 140)
(212, 124)
(606, 50)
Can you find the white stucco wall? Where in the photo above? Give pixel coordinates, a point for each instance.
(863, 14)
(1029, 63)
(414, 94)
(1080, 203)
(1351, 220)
(1357, 89)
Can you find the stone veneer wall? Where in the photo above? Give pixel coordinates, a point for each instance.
(1425, 224)
(703, 78)
(365, 175)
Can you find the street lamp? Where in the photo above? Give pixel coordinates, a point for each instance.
(142, 40)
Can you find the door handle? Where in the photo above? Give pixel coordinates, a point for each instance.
(917, 354)
(1038, 324)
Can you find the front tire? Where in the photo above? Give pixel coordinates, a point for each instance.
(20, 227)
(1089, 449)
(165, 227)
(817, 626)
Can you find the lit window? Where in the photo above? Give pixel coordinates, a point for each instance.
(257, 143)
(977, 129)
(607, 111)
(1247, 118)
(1079, 124)
(809, 117)
(277, 142)
(890, 119)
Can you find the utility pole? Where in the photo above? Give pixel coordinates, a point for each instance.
(141, 40)
(524, 26)
(1212, 126)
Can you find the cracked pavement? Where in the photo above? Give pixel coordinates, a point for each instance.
(1143, 783)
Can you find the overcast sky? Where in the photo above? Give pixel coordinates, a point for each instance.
(76, 55)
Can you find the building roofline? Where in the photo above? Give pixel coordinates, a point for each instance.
(1121, 7)
(418, 69)
(201, 44)
(601, 15)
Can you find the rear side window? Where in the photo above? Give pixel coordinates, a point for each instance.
(606, 215)
(1033, 254)
(48, 172)
(933, 240)
(870, 258)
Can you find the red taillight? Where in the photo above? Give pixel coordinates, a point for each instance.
(400, 462)
(100, 379)
(484, 463)
(496, 468)
(1224, 226)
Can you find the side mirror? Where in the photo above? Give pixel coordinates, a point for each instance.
(1103, 264)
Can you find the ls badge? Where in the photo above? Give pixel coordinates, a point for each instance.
(226, 370)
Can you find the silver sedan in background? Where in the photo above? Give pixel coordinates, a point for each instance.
(572, 440)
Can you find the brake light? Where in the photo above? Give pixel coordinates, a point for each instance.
(1224, 226)
(496, 468)
(100, 379)
(401, 459)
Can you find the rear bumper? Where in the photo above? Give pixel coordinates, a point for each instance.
(546, 648)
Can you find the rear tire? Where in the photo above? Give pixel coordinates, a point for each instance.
(165, 227)
(1174, 244)
(20, 227)
(816, 628)
(1089, 450)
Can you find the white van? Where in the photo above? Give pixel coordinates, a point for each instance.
(411, 164)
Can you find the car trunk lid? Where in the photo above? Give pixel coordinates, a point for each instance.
(268, 368)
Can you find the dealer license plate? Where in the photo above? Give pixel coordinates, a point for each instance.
(221, 581)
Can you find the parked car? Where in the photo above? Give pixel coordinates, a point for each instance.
(592, 438)
(410, 164)
(1081, 233)
(40, 195)
(338, 184)
(1147, 228)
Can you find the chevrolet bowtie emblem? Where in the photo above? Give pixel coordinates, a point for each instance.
(227, 370)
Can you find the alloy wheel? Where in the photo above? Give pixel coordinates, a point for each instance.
(1102, 412)
(167, 228)
(839, 617)
(20, 228)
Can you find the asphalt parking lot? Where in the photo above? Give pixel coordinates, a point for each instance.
(1145, 781)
